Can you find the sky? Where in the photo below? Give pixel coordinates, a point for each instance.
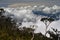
(48, 2)
(27, 15)
(28, 18)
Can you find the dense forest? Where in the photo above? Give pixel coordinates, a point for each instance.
(9, 31)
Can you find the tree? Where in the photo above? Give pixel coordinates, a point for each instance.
(1, 11)
(29, 30)
(8, 29)
(33, 31)
(53, 34)
(45, 20)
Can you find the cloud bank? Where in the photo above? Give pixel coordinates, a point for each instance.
(31, 15)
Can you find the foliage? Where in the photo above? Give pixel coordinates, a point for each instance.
(9, 31)
(53, 34)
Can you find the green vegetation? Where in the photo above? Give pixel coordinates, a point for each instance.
(9, 31)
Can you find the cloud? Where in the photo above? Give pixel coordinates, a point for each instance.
(27, 17)
(53, 9)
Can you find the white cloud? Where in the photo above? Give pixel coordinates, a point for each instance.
(25, 16)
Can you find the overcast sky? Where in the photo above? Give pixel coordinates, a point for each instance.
(6, 2)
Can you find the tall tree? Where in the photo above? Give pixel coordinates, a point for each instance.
(45, 21)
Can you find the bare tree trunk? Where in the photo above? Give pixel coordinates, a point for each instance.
(32, 37)
(46, 28)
